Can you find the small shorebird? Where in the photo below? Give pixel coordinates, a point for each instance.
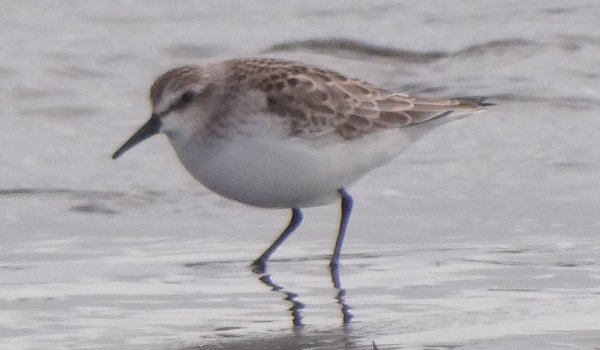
(278, 134)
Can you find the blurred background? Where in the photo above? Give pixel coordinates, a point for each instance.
(483, 235)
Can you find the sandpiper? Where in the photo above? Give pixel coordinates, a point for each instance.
(273, 133)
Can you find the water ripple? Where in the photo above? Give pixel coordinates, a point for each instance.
(346, 47)
(340, 47)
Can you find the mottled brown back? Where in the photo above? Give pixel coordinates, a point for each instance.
(322, 101)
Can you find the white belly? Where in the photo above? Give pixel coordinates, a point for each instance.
(279, 172)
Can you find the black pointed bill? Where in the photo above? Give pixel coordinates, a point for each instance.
(151, 127)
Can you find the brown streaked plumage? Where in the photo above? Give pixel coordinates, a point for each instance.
(174, 79)
(321, 101)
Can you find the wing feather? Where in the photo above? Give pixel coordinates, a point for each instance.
(323, 101)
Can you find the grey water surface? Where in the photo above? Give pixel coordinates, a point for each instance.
(483, 235)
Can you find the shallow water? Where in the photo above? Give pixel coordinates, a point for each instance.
(482, 236)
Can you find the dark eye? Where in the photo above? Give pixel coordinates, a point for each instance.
(187, 97)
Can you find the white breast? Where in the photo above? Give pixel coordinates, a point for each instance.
(269, 169)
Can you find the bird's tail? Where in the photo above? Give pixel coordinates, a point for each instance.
(464, 106)
(476, 101)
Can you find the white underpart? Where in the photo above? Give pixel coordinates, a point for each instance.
(259, 165)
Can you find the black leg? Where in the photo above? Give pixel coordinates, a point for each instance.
(346, 210)
(334, 267)
(259, 265)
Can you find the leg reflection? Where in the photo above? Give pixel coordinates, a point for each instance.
(341, 294)
(296, 307)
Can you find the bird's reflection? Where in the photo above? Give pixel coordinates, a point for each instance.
(341, 294)
(297, 306)
(289, 296)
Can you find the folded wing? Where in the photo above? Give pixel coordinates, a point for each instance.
(321, 101)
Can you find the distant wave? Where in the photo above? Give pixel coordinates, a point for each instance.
(570, 102)
(345, 47)
(339, 47)
(95, 201)
(26, 191)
